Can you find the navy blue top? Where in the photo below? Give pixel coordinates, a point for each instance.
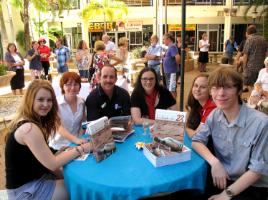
(35, 63)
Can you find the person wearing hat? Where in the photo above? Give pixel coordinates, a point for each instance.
(44, 52)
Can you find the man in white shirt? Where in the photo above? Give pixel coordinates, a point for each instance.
(154, 55)
(109, 45)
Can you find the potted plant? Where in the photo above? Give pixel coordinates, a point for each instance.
(5, 75)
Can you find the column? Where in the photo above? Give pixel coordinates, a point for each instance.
(155, 6)
(160, 21)
(228, 20)
(85, 35)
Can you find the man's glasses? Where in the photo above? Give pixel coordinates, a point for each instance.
(148, 79)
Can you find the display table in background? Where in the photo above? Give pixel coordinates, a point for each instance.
(127, 174)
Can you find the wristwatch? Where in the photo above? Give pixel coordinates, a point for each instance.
(229, 192)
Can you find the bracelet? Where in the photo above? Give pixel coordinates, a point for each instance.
(77, 149)
(82, 148)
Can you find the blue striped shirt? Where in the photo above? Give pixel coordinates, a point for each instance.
(63, 55)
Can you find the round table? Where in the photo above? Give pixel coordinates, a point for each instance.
(127, 174)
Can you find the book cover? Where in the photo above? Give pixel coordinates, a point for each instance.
(169, 123)
(102, 139)
(121, 127)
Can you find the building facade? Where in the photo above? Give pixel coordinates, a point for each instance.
(219, 18)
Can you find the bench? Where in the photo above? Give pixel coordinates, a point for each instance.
(213, 56)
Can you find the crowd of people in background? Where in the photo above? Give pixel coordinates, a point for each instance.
(228, 134)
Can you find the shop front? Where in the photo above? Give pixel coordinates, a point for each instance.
(190, 34)
(135, 31)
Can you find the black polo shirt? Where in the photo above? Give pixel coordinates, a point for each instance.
(99, 105)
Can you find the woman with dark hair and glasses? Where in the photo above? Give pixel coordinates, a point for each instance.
(15, 63)
(199, 104)
(148, 95)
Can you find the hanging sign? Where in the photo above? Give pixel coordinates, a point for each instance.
(99, 26)
(177, 27)
(133, 26)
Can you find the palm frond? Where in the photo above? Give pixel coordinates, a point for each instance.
(111, 9)
(17, 3)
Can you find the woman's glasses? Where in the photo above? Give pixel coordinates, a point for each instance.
(147, 79)
(70, 85)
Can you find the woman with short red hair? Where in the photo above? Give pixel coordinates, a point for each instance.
(71, 112)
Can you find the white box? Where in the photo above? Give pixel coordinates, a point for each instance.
(174, 158)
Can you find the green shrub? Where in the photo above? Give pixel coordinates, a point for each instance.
(136, 52)
(20, 38)
(3, 69)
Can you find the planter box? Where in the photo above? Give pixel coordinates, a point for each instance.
(5, 79)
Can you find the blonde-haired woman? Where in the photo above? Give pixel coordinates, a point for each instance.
(203, 54)
(260, 91)
(29, 161)
(122, 54)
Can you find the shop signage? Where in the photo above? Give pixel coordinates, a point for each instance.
(133, 26)
(99, 26)
(177, 27)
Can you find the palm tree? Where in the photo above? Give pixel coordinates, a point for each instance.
(110, 10)
(40, 5)
(3, 33)
(260, 9)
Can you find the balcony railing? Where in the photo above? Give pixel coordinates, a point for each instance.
(247, 2)
(175, 2)
(138, 2)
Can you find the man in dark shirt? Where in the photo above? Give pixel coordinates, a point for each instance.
(107, 99)
(254, 53)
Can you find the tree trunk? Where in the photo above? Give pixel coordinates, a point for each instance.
(26, 24)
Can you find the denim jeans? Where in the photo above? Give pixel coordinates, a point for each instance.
(157, 70)
(62, 69)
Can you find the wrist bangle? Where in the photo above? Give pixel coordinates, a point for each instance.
(82, 148)
(77, 149)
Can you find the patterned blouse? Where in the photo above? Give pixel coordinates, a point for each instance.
(99, 60)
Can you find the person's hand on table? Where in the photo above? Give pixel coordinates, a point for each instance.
(219, 175)
(79, 141)
(87, 147)
(221, 196)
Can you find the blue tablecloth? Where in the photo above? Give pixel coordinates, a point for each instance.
(127, 174)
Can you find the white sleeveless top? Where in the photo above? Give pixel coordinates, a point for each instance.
(204, 42)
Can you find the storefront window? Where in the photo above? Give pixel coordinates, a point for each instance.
(135, 39)
(76, 35)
